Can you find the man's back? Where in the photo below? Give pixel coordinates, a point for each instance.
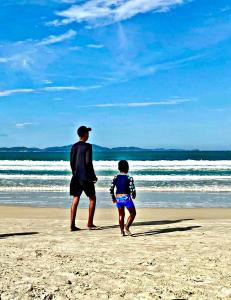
(81, 161)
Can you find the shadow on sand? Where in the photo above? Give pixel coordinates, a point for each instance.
(145, 223)
(166, 230)
(5, 235)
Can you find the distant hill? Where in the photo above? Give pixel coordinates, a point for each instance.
(96, 148)
(128, 149)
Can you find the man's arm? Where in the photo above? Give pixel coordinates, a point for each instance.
(89, 163)
(72, 160)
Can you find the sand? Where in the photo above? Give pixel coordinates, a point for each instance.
(174, 254)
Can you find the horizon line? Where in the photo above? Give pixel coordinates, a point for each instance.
(114, 147)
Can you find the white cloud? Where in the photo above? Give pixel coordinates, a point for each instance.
(4, 93)
(132, 70)
(102, 12)
(69, 88)
(47, 81)
(53, 39)
(174, 101)
(4, 59)
(75, 48)
(28, 55)
(225, 9)
(62, 88)
(95, 46)
(68, 1)
(23, 125)
(176, 63)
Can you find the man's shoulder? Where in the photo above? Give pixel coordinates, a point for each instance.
(76, 145)
(88, 144)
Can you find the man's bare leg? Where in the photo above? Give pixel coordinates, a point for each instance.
(73, 213)
(92, 204)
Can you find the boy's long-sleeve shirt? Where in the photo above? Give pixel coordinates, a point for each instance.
(124, 185)
(81, 161)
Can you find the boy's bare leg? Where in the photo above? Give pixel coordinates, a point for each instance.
(121, 219)
(131, 218)
(73, 212)
(92, 204)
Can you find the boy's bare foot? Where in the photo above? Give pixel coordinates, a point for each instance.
(127, 231)
(122, 233)
(75, 229)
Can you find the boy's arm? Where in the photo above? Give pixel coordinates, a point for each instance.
(112, 189)
(132, 188)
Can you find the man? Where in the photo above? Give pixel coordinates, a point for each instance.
(83, 176)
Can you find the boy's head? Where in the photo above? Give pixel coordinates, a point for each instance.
(123, 166)
(83, 133)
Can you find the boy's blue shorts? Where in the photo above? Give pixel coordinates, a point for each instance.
(124, 201)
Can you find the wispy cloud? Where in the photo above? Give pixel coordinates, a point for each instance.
(54, 39)
(69, 88)
(220, 109)
(209, 35)
(5, 93)
(103, 12)
(75, 48)
(176, 63)
(47, 81)
(175, 101)
(32, 57)
(134, 69)
(23, 125)
(4, 60)
(95, 46)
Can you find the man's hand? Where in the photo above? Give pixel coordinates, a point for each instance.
(114, 200)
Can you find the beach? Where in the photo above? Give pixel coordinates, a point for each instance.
(106, 107)
(174, 253)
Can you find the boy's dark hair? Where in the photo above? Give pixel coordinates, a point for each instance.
(123, 166)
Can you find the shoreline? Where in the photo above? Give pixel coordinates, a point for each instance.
(144, 200)
(107, 214)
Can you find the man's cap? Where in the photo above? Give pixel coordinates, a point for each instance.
(82, 130)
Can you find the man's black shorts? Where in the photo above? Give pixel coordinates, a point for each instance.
(77, 187)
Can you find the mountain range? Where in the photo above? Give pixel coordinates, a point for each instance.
(96, 148)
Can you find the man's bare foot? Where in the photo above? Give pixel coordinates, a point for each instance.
(127, 231)
(94, 227)
(75, 228)
(122, 233)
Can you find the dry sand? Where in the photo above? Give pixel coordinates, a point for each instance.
(174, 254)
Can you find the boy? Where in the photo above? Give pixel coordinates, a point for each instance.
(125, 191)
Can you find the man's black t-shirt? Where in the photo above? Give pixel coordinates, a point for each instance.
(81, 161)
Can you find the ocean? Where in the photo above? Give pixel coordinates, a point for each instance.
(163, 178)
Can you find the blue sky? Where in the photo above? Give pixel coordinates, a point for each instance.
(149, 73)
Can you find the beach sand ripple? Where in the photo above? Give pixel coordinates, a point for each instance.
(174, 259)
